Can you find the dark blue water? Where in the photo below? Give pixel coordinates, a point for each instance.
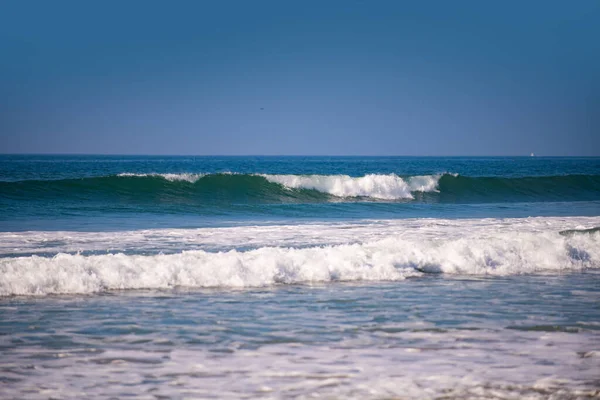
(22, 167)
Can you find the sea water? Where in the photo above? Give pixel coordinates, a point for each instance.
(299, 277)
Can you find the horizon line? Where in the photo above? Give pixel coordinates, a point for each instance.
(290, 155)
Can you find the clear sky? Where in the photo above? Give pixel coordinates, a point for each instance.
(300, 77)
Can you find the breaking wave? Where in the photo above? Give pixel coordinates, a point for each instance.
(266, 188)
(390, 259)
(387, 187)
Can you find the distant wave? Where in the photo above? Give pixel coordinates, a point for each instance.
(222, 188)
(389, 259)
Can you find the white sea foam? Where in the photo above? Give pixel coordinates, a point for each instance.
(387, 187)
(170, 177)
(518, 365)
(369, 251)
(214, 239)
(67, 273)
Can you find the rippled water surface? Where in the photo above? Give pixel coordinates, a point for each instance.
(433, 337)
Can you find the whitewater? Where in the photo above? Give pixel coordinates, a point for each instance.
(299, 277)
(246, 257)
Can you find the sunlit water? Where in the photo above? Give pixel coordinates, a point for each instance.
(375, 278)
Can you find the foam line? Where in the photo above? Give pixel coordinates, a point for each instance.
(390, 259)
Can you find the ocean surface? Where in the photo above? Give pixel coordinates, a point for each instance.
(159, 277)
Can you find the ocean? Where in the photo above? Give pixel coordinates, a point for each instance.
(158, 277)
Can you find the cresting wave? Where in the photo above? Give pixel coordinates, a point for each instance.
(389, 259)
(376, 186)
(190, 188)
(386, 187)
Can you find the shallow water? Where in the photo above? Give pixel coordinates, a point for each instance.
(431, 337)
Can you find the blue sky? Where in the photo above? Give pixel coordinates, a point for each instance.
(300, 77)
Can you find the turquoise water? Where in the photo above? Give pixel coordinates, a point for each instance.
(280, 277)
(114, 192)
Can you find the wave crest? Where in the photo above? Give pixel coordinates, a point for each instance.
(386, 187)
(229, 187)
(390, 259)
(187, 177)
